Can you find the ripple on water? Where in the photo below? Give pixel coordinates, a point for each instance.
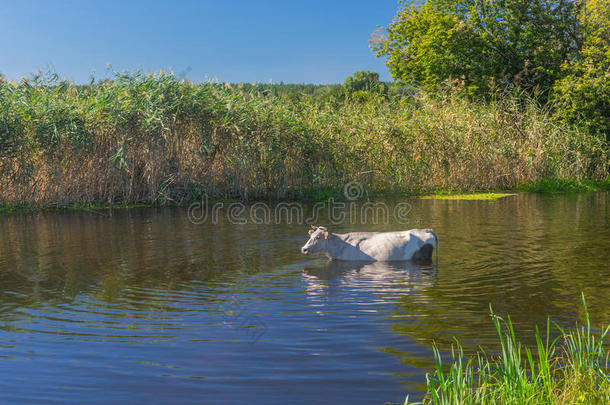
(165, 311)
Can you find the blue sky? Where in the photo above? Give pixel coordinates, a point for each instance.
(234, 41)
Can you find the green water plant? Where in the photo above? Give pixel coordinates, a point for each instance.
(468, 196)
(570, 369)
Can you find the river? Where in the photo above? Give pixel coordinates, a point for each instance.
(159, 305)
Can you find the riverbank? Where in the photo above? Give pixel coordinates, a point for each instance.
(151, 139)
(571, 369)
(545, 187)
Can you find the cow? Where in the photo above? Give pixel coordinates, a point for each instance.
(416, 245)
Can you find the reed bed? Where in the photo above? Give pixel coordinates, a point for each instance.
(572, 369)
(151, 138)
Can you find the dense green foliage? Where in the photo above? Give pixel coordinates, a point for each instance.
(355, 86)
(572, 369)
(362, 81)
(583, 95)
(481, 43)
(155, 139)
(557, 50)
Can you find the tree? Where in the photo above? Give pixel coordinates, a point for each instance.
(583, 95)
(481, 42)
(362, 81)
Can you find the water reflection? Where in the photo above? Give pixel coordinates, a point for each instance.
(379, 271)
(226, 313)
(394, 278)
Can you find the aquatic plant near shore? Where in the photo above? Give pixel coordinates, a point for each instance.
(572, 369)
(151, 138)
(469, 196)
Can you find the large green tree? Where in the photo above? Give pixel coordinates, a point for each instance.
(481, 42)
(583, 95)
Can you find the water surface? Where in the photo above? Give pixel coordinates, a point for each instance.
(144, 306)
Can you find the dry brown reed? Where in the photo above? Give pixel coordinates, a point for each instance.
(154, 139)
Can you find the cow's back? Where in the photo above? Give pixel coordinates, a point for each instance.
(385, 246)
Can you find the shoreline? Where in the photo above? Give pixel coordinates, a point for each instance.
(544, 187)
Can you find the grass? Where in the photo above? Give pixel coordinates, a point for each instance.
(470, 196)
(567, 186)
(153, 139)
(572, 369)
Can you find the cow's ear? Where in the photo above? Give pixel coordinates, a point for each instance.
(326, 235)
(310, 232)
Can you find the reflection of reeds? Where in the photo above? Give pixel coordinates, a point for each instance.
(572, 369)
(155, 139)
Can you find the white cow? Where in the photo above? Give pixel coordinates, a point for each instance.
(416, 244)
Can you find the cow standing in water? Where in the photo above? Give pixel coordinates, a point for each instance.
(416, 244)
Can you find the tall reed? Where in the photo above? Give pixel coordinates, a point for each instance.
(152, 138)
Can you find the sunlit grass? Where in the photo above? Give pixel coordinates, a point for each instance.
(572, 369)
(567, 186)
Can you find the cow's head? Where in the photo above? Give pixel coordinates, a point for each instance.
(318, 236)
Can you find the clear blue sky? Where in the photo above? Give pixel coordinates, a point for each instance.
(232, 40)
